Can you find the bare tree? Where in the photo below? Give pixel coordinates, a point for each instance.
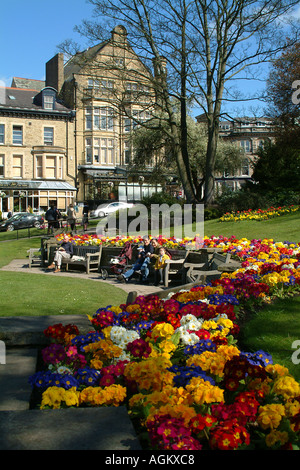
(196, 50)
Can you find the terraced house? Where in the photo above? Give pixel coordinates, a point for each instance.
(67, 139)
(36, 148)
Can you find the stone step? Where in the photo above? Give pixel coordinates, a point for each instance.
(15, 390)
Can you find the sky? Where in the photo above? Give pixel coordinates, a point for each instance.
(31, 30)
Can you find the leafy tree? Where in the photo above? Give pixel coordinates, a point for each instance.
(277, 168)
(282, 84)
(153, 146)
(196, 49)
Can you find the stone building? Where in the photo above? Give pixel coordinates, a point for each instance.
(37, 166)
(249, 134)
(110, 89)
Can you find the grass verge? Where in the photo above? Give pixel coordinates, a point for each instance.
(274, 329)
(32, 294)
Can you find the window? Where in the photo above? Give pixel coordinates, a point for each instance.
(39, 166)
(99, 151)
(107, 151)
(93, 84)
(97, 118)
(48, 136)
(127, 124)
(17, 135)
(139, 117)
(17, 166)
(48, 102)
(1, 166)
(88, 118)
(107, 119)
(2, 134)
(119, 62)
(88, 151)
(245, 167)
(50, 167)
(96, 150)
(60, 168)
(132, 87)
(106, 86)
(246, 145)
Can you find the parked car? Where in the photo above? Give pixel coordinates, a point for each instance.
(104, 209)
(21, 220)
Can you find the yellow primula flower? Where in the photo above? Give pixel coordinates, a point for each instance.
(162, 330)
(203, 392)
(275, 436)
(270, 415)
(55, 397)
(287, 387)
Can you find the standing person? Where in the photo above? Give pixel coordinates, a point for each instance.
(142, 262)
(71, 217)
(85, 216)
(51, 218)
(64, 251)
(58, 217)
(160, 265)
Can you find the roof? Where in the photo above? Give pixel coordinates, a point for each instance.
(79, 60)
(30, 83)
(38, 185)
(23, 99)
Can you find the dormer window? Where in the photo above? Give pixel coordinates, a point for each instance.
(48, 98)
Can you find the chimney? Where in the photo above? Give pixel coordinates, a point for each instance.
(55, 72)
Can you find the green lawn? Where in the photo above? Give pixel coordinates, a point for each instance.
(286, 227)
(274, 329)
(32, 294)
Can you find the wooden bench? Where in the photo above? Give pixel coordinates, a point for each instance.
(35, 257)
(207, 269)
(87, 256)
(174, 267)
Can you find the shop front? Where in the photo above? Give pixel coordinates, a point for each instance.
(38, 196)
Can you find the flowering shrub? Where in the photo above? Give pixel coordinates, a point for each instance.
(259, 214)
(176, 364)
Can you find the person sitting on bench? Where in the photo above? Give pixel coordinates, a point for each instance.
(64, 251)
(141, 264)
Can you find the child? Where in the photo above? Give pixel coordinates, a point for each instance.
(160, 265)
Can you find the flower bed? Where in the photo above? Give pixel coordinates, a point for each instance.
(176, 364)
(260, 214)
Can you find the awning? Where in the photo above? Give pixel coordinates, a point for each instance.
(20, 185)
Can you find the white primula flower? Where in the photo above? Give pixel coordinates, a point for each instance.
(194, 325)
(63, 370)
(121, 336)
(187, 318)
